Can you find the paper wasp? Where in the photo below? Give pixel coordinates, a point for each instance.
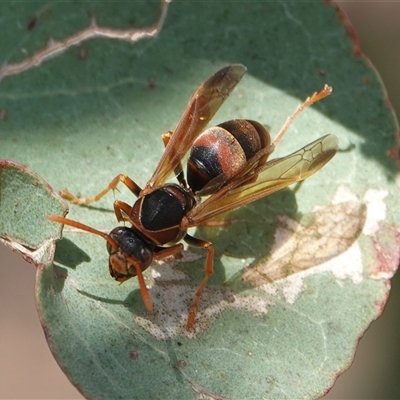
(228, 163)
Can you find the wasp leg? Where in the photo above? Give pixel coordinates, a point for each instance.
(163, 252)
(178, 170)
(128, 182)
(317, 96)
(209, 270)
(159, 253)
(119, 207)
(142, 285)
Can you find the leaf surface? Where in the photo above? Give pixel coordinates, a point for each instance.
(298, 277)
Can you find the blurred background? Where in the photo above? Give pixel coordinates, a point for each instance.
(27, 368)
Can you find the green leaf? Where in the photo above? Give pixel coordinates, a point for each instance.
(25, 200)
(298, 277)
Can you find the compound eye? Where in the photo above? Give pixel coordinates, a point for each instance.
(110, 249)
(115, 234)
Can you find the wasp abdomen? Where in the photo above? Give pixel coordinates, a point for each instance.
(215, 152)
(224, 149)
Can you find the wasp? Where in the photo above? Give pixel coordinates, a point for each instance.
(228, 166)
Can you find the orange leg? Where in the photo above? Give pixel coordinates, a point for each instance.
(128, 182)
(209, 270)
(317, 96)
(159, 253)
(120, 206)
(163, 252)
(142, 285)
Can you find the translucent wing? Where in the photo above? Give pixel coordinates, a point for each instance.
(254, 184)
(201, 108)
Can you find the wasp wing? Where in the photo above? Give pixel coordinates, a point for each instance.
(201, 108)
(262, 181)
